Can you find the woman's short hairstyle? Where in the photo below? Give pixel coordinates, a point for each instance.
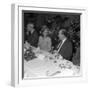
(46, 28)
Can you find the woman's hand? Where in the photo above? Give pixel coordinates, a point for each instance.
(55, 52)
(27, 45)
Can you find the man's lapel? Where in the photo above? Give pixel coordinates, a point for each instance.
(63, 44)
(59, 44)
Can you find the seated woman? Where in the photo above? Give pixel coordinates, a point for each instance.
(45, 41)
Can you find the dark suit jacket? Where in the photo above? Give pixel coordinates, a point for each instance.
(33, 39)
(66, 50)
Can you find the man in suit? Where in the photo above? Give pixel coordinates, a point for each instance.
(32, 36)
(65, 46)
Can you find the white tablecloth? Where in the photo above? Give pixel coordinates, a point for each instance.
(43, 66)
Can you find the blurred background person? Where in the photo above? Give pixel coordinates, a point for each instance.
(32, 36)
(76, 56)
(45, 41)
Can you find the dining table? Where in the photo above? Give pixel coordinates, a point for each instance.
(47, 64)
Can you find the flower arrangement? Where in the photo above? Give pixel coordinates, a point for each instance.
(29, 54)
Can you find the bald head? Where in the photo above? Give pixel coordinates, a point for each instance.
(62, 34)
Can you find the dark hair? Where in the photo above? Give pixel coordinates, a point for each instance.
(64, 32)
(44, 30)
